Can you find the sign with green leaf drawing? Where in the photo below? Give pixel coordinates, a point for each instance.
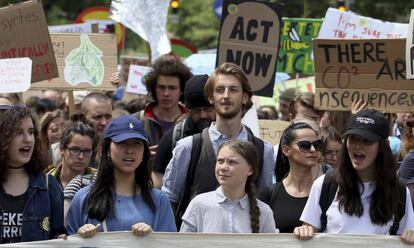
(85, 61)
(84, 64)
(295, 51)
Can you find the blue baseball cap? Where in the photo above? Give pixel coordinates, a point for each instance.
(125, 127)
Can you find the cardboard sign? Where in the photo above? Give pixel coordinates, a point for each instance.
(72, 28)
(85, 62)
(24, 34)
(136, 79)
(249, 37)
(372, 70)
(15, 75)
(347, 25)
(271, 130)
(409, 48)
(295, 52)
(126, 61)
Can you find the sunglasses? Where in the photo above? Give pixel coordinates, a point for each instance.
(306, 146)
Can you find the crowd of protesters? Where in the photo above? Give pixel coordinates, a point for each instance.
(184, 161)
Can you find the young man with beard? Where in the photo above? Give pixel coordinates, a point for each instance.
(201, 114)
(229, 91)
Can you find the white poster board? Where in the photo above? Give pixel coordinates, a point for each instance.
(409, 51)
(136, 78)
(348, 25)
(15, 75)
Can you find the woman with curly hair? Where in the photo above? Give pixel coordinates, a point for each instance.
(367, 196)
(122, 197)
(31, 203)
(232, 207)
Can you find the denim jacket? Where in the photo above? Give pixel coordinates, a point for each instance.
(43, 211)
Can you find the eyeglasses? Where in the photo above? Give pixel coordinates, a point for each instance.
(306, 146)
(76, 151)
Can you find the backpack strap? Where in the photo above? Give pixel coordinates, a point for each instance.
(185, 200)
(259, 144)
(328, 192)
(178, 132)
(401, 207)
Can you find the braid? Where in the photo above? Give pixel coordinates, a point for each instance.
(254, 209)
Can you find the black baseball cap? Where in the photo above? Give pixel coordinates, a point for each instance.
(194, 92)
(370, 124)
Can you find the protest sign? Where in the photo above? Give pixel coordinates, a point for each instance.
(372, 70)
(347, 25)
(214, 240)
(136, 78)
(15, 75)
(295, 52)
(409, 48)
(85, 62)
(71, 28)
(24, 34)
(126, 61)
(249, 37)
(271, 130)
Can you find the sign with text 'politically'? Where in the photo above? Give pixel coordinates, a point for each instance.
(24, 33)
(249, 37)
(372, 70)
(85, 62)
(15, 75)
(295, 52)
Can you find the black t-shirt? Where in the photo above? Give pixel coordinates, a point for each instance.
(286, 208)
(11, 219)
(164, 150)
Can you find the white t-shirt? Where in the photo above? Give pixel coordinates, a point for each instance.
(340, 222)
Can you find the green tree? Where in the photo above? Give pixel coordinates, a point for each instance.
(196, 24)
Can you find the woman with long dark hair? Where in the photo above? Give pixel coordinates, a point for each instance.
(122, 197)
(233, 207)
(297, 167)
(31, 203)
(368, 197)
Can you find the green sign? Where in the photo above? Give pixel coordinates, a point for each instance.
(295, 51)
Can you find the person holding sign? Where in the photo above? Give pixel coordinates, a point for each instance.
(232, 207)
(31, 203)
(363, 196)
(122, 197)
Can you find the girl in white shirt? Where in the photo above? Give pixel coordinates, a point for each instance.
(233, 207)
(368, 194)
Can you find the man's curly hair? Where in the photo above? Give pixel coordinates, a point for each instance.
(167, 65)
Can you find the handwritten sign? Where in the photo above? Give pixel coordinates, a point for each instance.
(24, 34)
(15, 75)
(372, 70)
(126, 62)
(295, 52)
(249, 37)
(272, 130)
(85, 62)
(136, 79)
(71, 28)
(409, 48)
(347, 25)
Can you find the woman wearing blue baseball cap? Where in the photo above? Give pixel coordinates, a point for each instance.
(122, 197)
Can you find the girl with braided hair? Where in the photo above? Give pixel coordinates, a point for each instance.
(232, 207)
